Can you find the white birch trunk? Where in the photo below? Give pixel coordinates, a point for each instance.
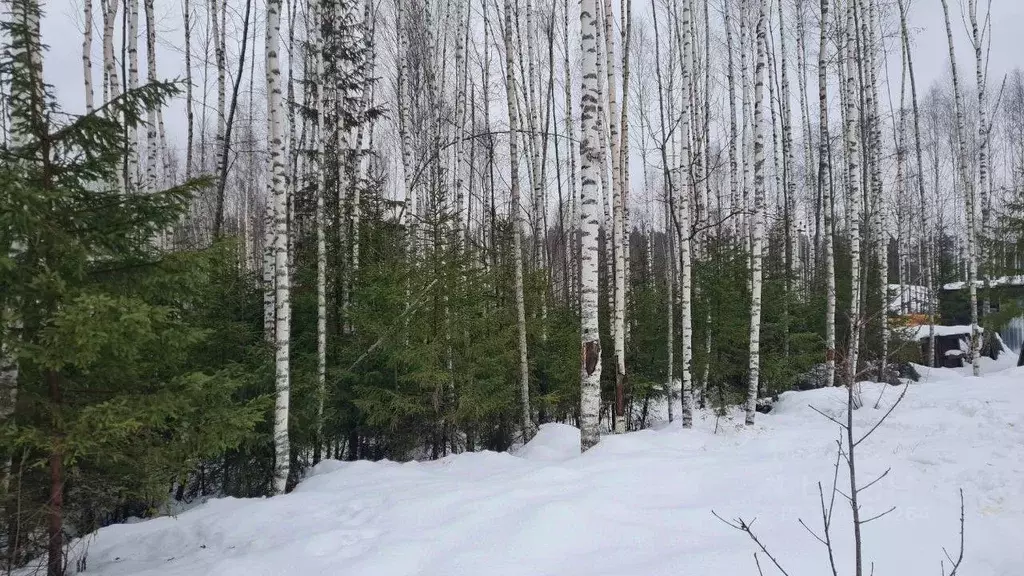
(626, 7)
(189, 114)
(926, 260)
(407, 218)
(683, 218)
(112, 86)
(825, 191)
(460, 118)
(969, 204)
(757, 242)
(152, 136)
(618, 279)
(133, 82)
(537, 150)
(670, 252)
(794, 272)
(590, 166)
(517, 228)
(746, 148)
(570, 130)
(734, 185)
(220, 59)
(881, 229)
(278, 186)
(982, 236)
(87, 56)
(853, 200)
(316, 47)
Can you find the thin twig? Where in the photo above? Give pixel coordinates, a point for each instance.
(744, 526)
(827, 416)
(884, 416)
(877, 516)
(811, 532)
(960, 557)
(872, 483)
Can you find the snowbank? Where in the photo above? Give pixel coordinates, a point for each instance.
(636, 504)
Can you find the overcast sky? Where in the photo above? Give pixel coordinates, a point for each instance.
(62, 26)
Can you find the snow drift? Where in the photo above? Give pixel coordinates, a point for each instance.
(639, 503)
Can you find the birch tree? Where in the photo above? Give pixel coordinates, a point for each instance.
(757, 241)
(87, 56)
(517, 232)
(825, 191)
(926, 263)
(153, 151)
(316, 47)
(967, 181)
(683, 223)
(590, 166)
(131, 140)
(982, 239)
(278, 195)
(619, 279)
(853, 199)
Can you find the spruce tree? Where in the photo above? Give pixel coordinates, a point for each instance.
(111, 403)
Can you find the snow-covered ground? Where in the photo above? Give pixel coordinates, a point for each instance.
(638, 504)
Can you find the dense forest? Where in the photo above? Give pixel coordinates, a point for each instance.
(403, 229)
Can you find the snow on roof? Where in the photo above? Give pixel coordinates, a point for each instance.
(922, 332)
(1001, 281)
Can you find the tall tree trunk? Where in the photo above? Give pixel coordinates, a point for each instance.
(925, 264)
(407, 218)
(967, 181)
(461, 93)
(153, 151)
(617, 284)
(825, 192)
(112, 86)
(570, 131)
(517, 231)
(683, 222)
(317, 48)
(982, 236)
(670, 252)
(282, 289)
(626, 23)
(131, 144)
(216, 8)
(746, 148)
(189, 101)
(810, 177)
(87, 56)
(735, 205)
(853, 200)
(793, 263)
(757, 243)
(590, 166)
(873, 157)
(225, 138)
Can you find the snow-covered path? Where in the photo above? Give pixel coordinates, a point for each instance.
(638, 504)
